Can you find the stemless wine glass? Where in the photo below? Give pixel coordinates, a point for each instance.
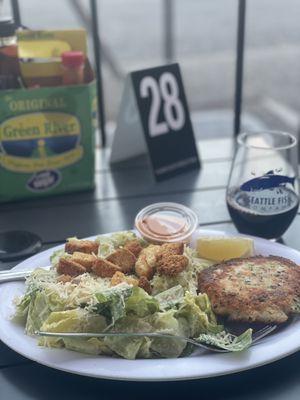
(263, 190)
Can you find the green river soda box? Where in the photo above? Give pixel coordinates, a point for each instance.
(47, 140)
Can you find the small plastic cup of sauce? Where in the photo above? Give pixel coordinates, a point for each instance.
(166, 222)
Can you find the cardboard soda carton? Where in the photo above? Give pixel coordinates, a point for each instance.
(47, 134)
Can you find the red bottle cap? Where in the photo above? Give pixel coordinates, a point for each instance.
(72, 59)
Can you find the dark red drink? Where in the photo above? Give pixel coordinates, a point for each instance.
(267, 213)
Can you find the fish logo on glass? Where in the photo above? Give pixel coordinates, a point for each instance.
(270, 180)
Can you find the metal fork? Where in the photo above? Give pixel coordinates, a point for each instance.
(12, 275)
(266, 330)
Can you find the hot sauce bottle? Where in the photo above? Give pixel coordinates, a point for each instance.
(73, 67)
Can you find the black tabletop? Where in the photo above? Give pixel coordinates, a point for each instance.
(121, 191)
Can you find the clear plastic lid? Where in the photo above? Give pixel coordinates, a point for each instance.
(166, 222)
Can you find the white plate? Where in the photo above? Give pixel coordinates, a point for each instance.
(279, 345)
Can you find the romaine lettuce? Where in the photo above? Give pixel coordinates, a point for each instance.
(22, 308)
(55, 256)
(165, 322)
(111, 303)
(170, 297)
(187, 279)
(198, 314)
(124, 346)
(121, 238)
(139, 303)
(108, 244)
(77, 320)
(38, 312)
(128, 347)
(89, 346)
(227, 341)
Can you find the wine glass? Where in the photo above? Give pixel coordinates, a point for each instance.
(263, 189)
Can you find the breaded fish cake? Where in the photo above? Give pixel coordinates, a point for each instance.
(253, 289)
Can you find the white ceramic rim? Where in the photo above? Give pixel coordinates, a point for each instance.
(281, 344)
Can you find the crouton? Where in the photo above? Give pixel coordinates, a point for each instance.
(152, 252)
(86, 260)
(124, 259)
(172, 249)
(171, 265)
(67, 266)
(119, 277)
(142, 268)
(82, 246)
(146, 262)
(145, 284)
(104, 268)
(64, 278)
(134, 246)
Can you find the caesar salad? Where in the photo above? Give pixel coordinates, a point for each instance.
(121, 283)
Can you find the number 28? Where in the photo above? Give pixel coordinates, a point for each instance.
(165, 89)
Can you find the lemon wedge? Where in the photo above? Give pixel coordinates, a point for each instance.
(224, 248)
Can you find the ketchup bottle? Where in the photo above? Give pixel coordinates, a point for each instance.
(73, 67)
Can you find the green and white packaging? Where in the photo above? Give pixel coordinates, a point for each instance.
(47, 141)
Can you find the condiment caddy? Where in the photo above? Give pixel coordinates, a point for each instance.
(48, 115)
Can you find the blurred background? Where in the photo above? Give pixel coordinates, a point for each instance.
(203, 41)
